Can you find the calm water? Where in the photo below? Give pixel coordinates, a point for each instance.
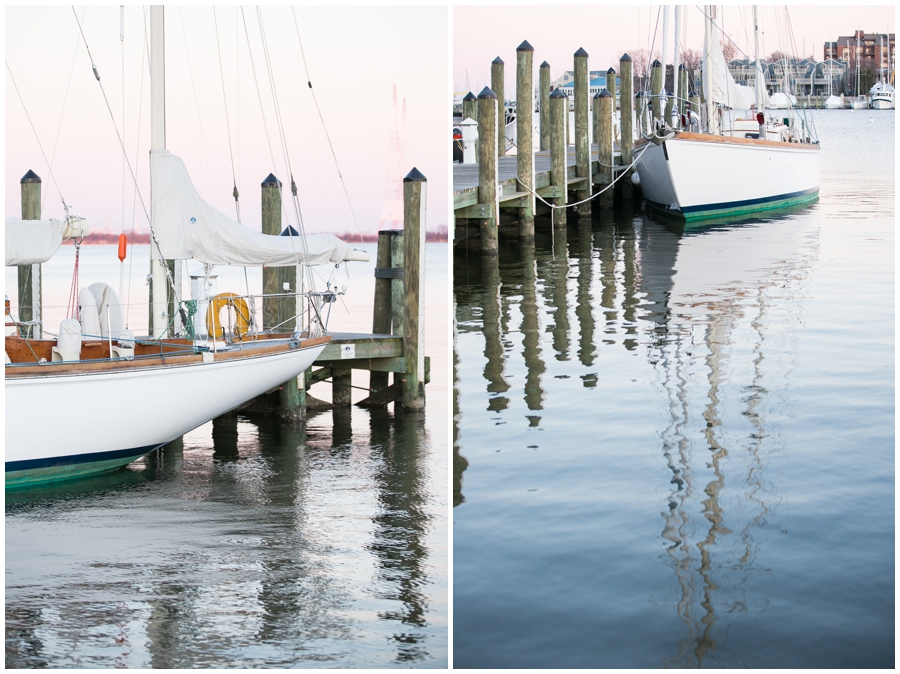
(253, 546)
(676, 449)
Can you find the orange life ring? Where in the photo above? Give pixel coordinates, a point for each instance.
(241, 311)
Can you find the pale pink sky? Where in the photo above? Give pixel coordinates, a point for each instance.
(480, 33)
(355, 57)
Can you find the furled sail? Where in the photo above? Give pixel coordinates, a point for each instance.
(188, 228)
(725, 91)
(36, 241)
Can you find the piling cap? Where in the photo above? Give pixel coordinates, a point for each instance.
(625, 57)
(289, 231)
(498, 61)
(545, 65)
(271, 181)
(30, 177)
(557, 93)
(611, 71)
(487, 93)
(581, 53)
(639, 94)
(597, 95)
(656, 64)
(415, 176)
(470, 97)
(681, 66)
(604, 93)
(525, 46)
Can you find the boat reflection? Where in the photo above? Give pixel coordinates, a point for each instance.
(695, 302)
(265, 580)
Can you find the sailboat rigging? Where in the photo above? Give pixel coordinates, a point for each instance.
(161, 387)
(740, 164)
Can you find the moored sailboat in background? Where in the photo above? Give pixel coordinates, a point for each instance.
(739, 165)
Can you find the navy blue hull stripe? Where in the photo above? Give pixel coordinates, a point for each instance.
(32, 464)
(749, 202)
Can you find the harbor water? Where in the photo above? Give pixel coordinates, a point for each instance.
(253, 545)
(675, 447)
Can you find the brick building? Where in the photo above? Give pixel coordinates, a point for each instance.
(874, 52)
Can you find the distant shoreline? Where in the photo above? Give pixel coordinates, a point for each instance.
(109, 238)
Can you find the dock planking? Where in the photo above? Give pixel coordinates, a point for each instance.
(465, 176)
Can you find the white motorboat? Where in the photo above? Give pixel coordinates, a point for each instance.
(881, 96)
(80, 405)
(750, 164)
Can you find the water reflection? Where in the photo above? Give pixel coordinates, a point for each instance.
(695, 307)
(259, 546)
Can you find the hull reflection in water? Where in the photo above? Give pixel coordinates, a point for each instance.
(248, 546)
(623, 422)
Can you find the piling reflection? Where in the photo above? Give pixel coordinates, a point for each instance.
(268, 579)
(493, 335)
(699, 316)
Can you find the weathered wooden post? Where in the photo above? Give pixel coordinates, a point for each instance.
(595, 117)
(271, 224)
(682, 88)
(381, 315)
(611, 84)
(655, 89)
(545, 105)
(626, 123)
(670, 100)
(289, 408)
(582, 140)
(487, 170)
(641, 98)
(414, 198)
(605, 144)
(470, 107)
(29, 276)
(524, 135)
(497, 87)
(559, 110)
(287, 281)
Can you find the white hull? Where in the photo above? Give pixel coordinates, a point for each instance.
(860, 103)
(75, 424)
(833, 103)
(882, 103)
(699, 176)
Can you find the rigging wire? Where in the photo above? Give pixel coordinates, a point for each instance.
(121, 144)
(44, 154)
(322, 119)
(237, 204)
(63, 112)
(137, 149)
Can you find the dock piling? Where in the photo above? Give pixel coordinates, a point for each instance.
(470, 107)
(487, 170)
(626, 122)
(606, 103)
(381, 313)
(655, 89)
(524, 133)
(545, 105)
(582, 138)
(497, 75)
(559, 109)
(414, 199)
(29, 276)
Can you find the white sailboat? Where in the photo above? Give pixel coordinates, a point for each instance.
(747, 165)
(155, 390)
(860, 103)
(832, 102)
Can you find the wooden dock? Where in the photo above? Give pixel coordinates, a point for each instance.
(554, 178)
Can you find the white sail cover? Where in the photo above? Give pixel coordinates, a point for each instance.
(725, 91)
(36, 241)
(189, 228)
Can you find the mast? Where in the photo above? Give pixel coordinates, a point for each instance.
(157, 142)
(676, 60)
(711, 125)
(759, 72)
(665, 47)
